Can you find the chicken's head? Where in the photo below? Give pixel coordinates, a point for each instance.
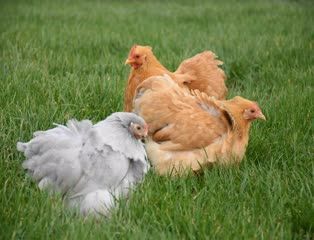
(139, 130)
(253, 113)
(138, 56)
(248, 109)
(251, 110)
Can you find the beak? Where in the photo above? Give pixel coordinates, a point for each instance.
(129, 61)
(261, 116)
(143, 136)
(146, 130)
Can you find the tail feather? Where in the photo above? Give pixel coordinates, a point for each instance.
(21, 147)
(202, 72)
(52, 156)
(60, 137)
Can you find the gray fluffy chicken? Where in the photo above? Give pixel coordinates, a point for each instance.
(90, 165)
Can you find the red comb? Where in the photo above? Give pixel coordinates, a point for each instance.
(133, 49)
(255, 105)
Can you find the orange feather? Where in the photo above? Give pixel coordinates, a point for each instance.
(189, 129)
(200, 72)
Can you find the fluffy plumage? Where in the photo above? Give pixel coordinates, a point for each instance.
(191, 131)
(90, 165)
(200, 72)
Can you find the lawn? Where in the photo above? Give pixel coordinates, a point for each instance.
(64, 59)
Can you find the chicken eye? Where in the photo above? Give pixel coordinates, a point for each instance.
(138, 128)
(137, 56)
(252, 111)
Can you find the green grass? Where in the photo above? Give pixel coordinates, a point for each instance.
(64, 59)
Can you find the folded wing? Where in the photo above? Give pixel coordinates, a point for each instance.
(177, 118)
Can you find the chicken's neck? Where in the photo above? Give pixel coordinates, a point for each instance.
(240, 125)
(243, 130)
(151, 67)
(153, 62)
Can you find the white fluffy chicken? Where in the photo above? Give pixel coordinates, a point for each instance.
(90, 165)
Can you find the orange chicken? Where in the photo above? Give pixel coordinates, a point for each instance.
(200, 72)
(189, 129)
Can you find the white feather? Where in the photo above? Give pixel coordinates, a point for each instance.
(90, 165)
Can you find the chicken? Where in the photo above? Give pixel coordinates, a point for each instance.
(90, 165)
(200, 72)
(192, 131)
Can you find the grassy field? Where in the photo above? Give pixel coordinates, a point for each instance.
(64, 59)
